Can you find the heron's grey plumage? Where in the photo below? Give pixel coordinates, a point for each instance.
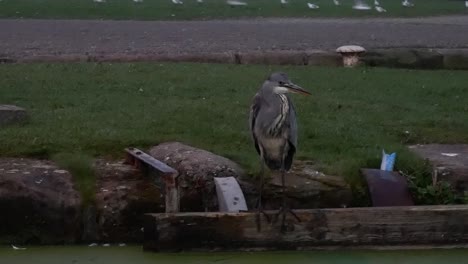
(273, 125)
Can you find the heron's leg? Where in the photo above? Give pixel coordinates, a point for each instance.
(283, 202)
(259, 200)
(260, 187)
(284, 208)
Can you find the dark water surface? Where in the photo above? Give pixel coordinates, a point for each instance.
(135, 255)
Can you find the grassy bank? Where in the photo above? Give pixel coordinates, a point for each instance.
(98, 109)
(165, 10)
(81, 167)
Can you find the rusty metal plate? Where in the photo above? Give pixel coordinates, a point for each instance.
(387, 188)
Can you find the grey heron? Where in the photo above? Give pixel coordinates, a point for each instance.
(273, 128)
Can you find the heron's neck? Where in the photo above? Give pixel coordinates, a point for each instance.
(284, 105)
(280, 90)
(278, 123)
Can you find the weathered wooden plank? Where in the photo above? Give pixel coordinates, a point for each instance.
(375, 226)
(163, 174)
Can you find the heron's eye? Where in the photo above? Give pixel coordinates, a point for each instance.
(281, 83)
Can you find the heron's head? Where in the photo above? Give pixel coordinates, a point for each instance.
(282, 84)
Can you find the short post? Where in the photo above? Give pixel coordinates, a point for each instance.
(172, 194)
(350, 55)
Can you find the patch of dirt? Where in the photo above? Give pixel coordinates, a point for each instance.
(38, 201)
(123, 196)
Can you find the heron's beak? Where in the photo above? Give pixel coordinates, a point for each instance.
(294, 88)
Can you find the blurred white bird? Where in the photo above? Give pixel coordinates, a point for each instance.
(360, 5)
(177, 2)
(236, 3)
(407, 3)
(376, 2)
(138, 1)
(312, 6)
(380, 9)
(200, 1)
(17, 248)
(336, 2)
(466, 3)
(283, 2)
(99, 1)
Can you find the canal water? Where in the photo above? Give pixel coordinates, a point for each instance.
(135, 255)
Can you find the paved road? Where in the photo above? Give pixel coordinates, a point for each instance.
(22, 38)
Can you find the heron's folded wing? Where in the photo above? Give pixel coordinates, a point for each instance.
(292, 137)
(292, 126)
(254, 109)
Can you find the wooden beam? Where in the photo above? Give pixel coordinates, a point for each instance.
(164, 176)
(344, 227)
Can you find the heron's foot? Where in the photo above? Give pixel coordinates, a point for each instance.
(282, 213)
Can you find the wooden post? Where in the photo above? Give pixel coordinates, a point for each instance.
(172, 193)
(344, 227)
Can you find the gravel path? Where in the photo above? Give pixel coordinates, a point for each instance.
(23, 38)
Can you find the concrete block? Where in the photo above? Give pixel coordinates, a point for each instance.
(10, 114)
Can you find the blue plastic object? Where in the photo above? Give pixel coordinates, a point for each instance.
(388, 161)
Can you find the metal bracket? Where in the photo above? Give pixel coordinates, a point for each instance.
(163, 175)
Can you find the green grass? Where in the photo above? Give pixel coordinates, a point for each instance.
(165, 10)
(99, 109)
(81, 167)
